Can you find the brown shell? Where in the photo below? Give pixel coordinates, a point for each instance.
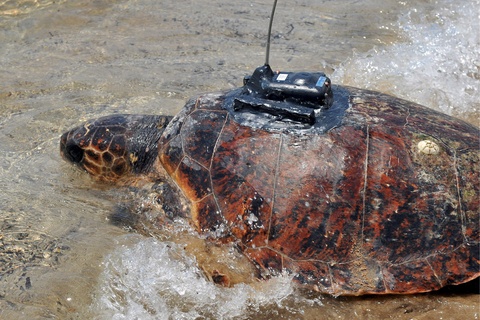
(359, 209)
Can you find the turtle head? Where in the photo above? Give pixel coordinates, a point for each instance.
(113, 147)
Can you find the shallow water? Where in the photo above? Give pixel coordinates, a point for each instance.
(62, 62)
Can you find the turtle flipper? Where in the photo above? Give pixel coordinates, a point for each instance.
(112, 147)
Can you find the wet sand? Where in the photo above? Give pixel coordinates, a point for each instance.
(62, 63)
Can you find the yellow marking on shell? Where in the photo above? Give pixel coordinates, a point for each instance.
(133, 158)
(428, 147)
(86, 126)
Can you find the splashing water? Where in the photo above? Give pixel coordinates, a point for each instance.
(158, 280)
(437, 66)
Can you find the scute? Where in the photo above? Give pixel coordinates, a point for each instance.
(194, 178)
(243, 171)
(200, 134)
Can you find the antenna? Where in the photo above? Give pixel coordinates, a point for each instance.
(270, 32)
(285, 95)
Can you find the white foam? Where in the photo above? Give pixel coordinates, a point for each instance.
(158, 280)
(438, 64)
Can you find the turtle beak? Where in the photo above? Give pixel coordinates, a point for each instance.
(69, 149)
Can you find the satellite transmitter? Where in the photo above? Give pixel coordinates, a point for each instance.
(290, 95)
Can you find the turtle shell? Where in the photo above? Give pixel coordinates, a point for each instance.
(386, 200)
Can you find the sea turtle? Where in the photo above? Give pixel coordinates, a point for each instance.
(379, 195)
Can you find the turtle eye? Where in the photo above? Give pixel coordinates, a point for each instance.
(74, 153)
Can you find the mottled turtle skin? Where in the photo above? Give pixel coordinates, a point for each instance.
(385, 201)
